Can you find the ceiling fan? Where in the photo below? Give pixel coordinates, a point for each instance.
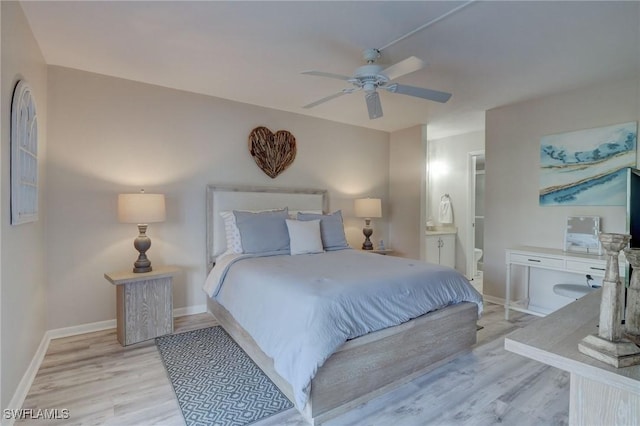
(372, 76)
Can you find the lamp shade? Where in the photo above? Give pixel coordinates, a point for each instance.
(141, 208)
(368, 207)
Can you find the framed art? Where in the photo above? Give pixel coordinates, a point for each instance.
(24, 156)
(587, 167)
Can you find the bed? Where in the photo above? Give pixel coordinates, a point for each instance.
(358, 368)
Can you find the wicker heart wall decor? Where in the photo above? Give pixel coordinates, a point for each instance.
(272, 152)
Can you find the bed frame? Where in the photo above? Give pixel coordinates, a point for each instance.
(362, 368)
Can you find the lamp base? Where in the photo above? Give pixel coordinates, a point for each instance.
(367, 245)
(142, 270)
(142, 243)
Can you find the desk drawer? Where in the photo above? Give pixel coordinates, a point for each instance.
(539, 261)
(593, 268)
(597, 268)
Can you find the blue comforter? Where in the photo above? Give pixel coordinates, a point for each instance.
(301, 309)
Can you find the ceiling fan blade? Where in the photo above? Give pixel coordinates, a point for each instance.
(325, 99)
(327, 74)
(419, 92)
(373, 105)
(409, 65)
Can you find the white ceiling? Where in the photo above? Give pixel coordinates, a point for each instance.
(488, 54)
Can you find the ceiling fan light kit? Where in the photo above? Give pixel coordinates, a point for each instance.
(373, 105)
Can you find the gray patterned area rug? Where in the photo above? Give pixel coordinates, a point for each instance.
(216, 382)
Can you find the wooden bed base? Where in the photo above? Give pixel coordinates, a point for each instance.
(372, 364)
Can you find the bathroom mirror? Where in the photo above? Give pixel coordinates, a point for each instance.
(581, 235)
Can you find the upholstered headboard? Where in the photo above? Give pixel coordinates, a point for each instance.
(221, 198)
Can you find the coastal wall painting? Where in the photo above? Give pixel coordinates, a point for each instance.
(587, 167)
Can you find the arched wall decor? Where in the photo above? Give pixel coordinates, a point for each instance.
(272, 152)
(24, 156)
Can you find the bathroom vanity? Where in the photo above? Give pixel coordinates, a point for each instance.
(441, 246)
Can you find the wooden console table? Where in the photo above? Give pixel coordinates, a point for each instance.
(550, 259)
(600, 394)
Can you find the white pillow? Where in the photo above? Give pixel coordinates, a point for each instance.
(304, 237)
(232, 234)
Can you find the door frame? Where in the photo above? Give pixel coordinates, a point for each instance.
(471, 209)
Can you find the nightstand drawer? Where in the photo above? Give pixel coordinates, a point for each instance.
(539, 261)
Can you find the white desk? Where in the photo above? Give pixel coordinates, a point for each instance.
(550, 259)
(599, 393)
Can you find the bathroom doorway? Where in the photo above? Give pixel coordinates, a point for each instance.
(475, 239)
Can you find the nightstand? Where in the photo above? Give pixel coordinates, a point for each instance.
(381, 251)
(144, 304)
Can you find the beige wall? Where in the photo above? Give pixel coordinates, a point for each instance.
(453, 153)
(108, 135)
(513, 216)
(407, 169)
(22, 284)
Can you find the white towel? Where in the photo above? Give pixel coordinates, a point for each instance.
(446, 211)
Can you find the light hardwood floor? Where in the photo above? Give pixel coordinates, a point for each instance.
(102, 383)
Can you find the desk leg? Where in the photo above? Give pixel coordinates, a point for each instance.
(526, 287)
(507, 292)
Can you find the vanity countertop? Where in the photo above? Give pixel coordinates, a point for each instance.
(441, 230)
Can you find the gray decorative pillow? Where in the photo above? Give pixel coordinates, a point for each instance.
(331, 229)
(263, 232)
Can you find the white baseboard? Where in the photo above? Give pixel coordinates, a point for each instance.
(91, 327)
(108, 324)
(189, 310)
(493, 299)
(27, 379)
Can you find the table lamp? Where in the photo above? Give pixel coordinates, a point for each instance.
(141, 209)
(368, 208)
